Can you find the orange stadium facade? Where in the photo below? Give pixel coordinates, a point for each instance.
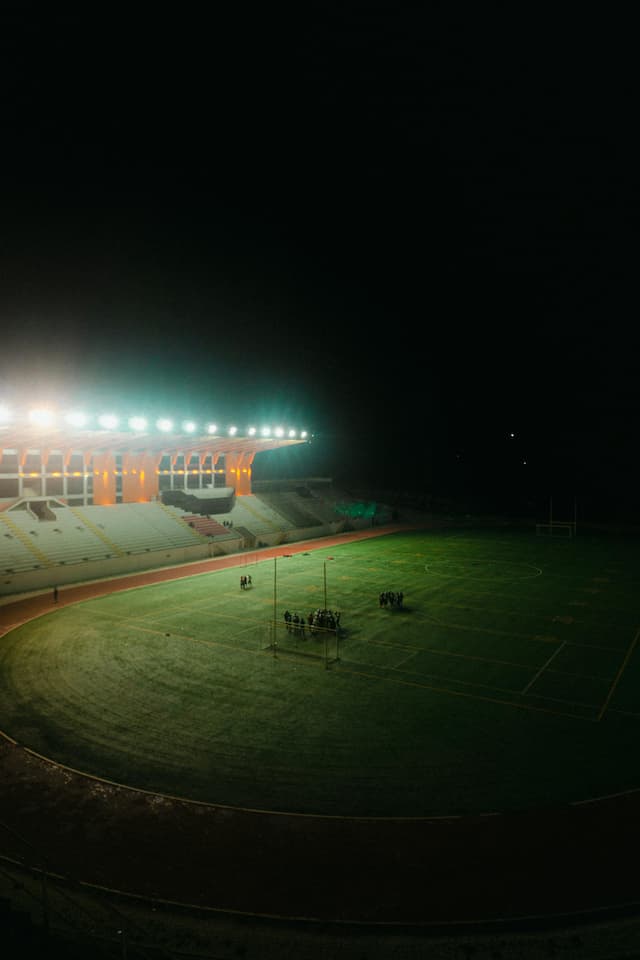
(102, 467)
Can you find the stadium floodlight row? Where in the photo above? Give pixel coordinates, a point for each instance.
(47, 418)
(95, 460)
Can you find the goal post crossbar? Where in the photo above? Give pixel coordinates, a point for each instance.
(556, 527)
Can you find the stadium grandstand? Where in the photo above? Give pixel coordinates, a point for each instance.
(84, 498)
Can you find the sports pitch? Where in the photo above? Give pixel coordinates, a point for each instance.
(509, 679)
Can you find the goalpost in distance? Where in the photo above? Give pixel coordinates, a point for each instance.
(558, 528)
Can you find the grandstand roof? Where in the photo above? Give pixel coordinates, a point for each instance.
(47, 438)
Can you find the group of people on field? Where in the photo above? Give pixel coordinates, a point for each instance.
(245, 581)
(317, 619)
(391, 599)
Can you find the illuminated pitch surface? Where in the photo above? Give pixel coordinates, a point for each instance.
(510, 679)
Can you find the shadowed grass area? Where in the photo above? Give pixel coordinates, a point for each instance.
(509, 678)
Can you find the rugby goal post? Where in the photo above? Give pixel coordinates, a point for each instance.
(558, 528)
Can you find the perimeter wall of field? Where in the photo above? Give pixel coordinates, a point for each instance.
(30, 581)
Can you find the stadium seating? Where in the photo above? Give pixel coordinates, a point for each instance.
(206, 526)
(44, 534)
(80, 534)
(256, 516)
(17, 553)
(139, 527)
(302, 511)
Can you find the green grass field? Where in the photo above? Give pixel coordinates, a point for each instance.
(509, 679)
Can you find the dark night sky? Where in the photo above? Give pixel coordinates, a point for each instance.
(412, 233)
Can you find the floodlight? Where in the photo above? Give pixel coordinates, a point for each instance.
(279, 432)
(5, 414)
(108, 421)
(233, 431)
(266, 431)
(189, 426)
(304, 434)
(41, 418)
(76, 419)
(212, 428)
(292, 434)
(164, 425)
(138, 424)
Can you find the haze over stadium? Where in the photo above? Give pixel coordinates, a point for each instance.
(269, 278)
(364, 223)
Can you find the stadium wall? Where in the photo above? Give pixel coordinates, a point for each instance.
(279, 537)
(31, 581)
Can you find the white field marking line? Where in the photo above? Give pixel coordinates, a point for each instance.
(618, 676)
(543, 667)
(166, 621)
(461, 693)
(141, 617)
(450, 653)
(607, 796)
(580, 676)
(488, 686)
(479, 607)
(492, 578)
(624, 713)
(398, 666)
(206, 641)
(471, 628)
(482, 595)
(594, 646)
(429, 618)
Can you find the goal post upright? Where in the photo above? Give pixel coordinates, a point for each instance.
(568, 525)
(274, 639)
(275, 589)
